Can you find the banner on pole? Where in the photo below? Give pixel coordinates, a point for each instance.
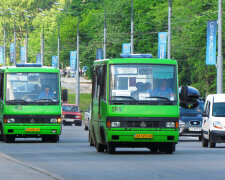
(22, 54)
(99, 54)
(126, 48)
(38, 58)
(211, 42)
(162, 40)
(11, 52)
(73, 59)
(54, 61)
(1, 54)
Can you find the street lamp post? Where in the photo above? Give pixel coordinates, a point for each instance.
(42, 42)
(26, 44)
(4, 51)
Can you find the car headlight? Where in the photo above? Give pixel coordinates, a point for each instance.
(10, 120)
(170, 124)
(115, 124)
(78, 117)
(217, 124)
(63, 116)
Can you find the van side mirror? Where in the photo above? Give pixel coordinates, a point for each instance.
(64, 95)
(205, 114)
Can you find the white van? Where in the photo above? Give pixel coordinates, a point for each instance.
(213, 125)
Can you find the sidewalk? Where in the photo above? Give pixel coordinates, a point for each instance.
(13, 169)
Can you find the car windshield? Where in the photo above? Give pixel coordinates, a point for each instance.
(197, 110)
(70, 108)
(218, 109)
(32, 88)
(143, 83)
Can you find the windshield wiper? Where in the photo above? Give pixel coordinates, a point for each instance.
(126, 97)
(159, 97)
(43, 100)
(17, 100)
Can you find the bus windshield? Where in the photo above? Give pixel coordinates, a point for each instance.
(143, 83)
(32, 88)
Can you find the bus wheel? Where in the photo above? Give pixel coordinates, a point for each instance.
(170, 148)
(90, 139)
(154, 150)
(54, 138)
(9, 138)
(100, 147)
(110, 148)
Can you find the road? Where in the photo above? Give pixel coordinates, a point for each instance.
(73, 158)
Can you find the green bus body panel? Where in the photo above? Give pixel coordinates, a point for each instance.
(44, 129)
(144, 111)
(19, 128)
(98, 120)
(32, 110)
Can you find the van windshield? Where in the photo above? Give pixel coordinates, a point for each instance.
(147, 83)
(218, 109)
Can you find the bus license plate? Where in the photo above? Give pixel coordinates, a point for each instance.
(143, 136)
(32, 129)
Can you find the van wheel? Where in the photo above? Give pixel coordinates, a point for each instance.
(205, 142)
(110, 148)
(90, 139)
(211, 144)
(200, 138)
(99, 147)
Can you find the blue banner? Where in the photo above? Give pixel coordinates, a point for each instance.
(126, 48)
(73, 60)
(22, 54)
(99, 54)
(211, 43)
(1, 54)
(54, 61)
(11, 52)
(38, 58)
(162, 40)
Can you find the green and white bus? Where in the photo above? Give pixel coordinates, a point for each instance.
(135, 103)
(25, 112)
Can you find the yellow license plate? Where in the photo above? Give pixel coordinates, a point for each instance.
(143, 136)
(32, 129)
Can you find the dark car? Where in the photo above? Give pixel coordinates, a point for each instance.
(190, 121)
(71, 115)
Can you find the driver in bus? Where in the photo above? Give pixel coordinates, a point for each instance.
(46, 93)
(163, 90)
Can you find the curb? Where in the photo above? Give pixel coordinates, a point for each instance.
(54, 176)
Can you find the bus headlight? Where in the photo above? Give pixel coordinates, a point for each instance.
(115, 124)
(53, 120)
(170, 124)
(10, 120)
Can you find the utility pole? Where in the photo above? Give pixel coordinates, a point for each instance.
(26, 48)
(77, 70)
(104, 48)
(42, 47)
(14, 43)
(132, 28)
(169, 29)
(4, 63)
(220, 57)
(58, 44)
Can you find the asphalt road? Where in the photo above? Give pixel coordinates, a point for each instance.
(73, 158)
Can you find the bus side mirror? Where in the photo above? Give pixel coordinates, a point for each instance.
(64, 95)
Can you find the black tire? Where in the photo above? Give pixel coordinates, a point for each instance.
(110, 148)
(205, 142)
(154, 150)
(91, 143)
(9, 138)
(54, 138)
(86, 128)
(211, 143)
(99, 147)
(170, 148)
(200, 138)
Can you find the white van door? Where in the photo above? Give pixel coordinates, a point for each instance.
(206, 120)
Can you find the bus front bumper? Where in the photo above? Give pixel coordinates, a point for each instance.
(142, 137)
(34, 129)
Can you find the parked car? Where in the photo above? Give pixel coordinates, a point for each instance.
(190, 121)
(214, 120)
(87, 118)
(71, 115)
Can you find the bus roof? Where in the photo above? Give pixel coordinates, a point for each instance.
(135, 61)
(29, 69)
